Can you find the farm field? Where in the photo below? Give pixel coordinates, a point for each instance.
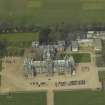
(84, 97)
(52, 11)
(28, 98)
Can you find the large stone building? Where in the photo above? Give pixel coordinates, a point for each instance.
(49, 64)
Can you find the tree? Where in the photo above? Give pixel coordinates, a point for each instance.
(44, 36)
(3, 46)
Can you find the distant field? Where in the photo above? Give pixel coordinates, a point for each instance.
(32, 98)
(80, 98)
(53, 11)
(19, 37)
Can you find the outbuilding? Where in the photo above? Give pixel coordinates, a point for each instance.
(74, 45)
(97, 44)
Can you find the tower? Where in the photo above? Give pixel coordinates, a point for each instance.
(49, 61)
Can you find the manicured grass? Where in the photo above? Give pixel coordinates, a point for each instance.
(53, 11)
(20, 40)
(31, 98)
(100, 61)
(80, 57)
(17, 42)
(19, 37)
(101, 75)
(80, 98)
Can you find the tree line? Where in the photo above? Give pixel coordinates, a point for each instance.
(66, 32)
(103, 50)
(8, 27)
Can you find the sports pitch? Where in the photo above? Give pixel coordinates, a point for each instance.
(53, 11)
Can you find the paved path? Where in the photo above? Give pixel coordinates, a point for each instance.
(50, 97)
(101, 69)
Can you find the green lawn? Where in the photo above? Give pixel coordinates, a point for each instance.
(80, 57)
(17, 42)
(100, 61)
(19, 37)
(31, 98)
(53, 11)
(101, 75)
(80, 98)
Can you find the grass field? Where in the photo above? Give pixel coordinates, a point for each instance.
(32, 98)
(19, 37)
(80, 98)
(17, 42)
(52, 11)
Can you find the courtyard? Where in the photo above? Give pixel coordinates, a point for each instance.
(13, 78)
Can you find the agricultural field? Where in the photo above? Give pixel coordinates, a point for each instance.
(84, 97)
(52, 11)
(28, 98)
